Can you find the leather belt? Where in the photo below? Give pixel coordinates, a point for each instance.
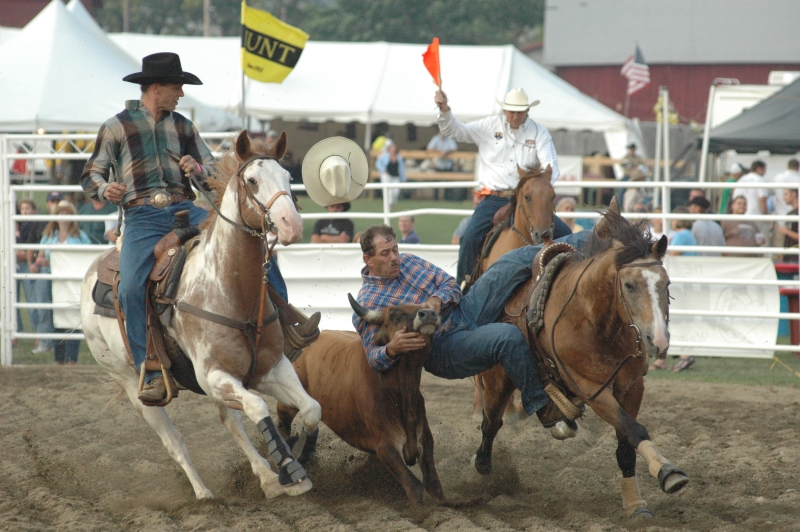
(158, 199)
(507, 193)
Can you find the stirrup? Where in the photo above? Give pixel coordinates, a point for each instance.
(567, 407)
(168, 384)
(292, 472)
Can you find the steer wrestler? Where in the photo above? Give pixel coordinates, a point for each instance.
(469, 342)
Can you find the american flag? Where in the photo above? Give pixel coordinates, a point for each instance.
(637, 72)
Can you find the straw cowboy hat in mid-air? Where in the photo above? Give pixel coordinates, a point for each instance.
(335, 170)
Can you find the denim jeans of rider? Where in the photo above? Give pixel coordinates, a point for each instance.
(480, 225)
(144, 227)
(474, 343)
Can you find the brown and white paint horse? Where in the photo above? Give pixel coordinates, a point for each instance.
(223, 275)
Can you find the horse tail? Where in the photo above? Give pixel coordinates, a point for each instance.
(114, 388)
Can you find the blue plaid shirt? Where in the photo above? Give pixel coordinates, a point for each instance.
(418, 281)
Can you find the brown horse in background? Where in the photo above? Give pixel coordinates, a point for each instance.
(606, 314)
(528, 222)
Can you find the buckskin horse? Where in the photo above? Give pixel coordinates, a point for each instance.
(528, 222)
(604, 313)
(223, 278)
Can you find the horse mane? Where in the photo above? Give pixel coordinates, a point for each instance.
(223, 170)
(530, 173)
(636, 238)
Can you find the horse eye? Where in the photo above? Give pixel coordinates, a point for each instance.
(629, 286)
(527, 197)
(252, 181)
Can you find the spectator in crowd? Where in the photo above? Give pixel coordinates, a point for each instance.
(632, 196)
(406, 224)
(657, 225)
(382, 142)
(789, 230)
(61, 232)
(568, 204)
(392, 169)
(683, 233)
(443, 145)
(705, 232)
(462, 225)
(791, 176)
(52, 200)
(505, 142)
(756, 197)
(96, 231)
(634, 168)
(28, 233)
(734, 173)
(695, 193)
(333, 230)
(740, 234)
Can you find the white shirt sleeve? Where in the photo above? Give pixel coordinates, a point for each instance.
(454, 129)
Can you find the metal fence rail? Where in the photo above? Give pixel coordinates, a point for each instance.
(78, 147)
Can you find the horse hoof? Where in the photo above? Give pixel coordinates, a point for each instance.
(642, 512)
(204, 494)
(564, 430)
(671, 478)
(299, 488)
(272, 488)
(482, 466)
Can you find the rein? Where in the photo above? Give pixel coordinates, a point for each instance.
(637, 354)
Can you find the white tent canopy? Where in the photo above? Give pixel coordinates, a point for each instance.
(59, 74)
(385, 82)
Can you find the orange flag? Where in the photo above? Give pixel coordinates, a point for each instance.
(431, 60)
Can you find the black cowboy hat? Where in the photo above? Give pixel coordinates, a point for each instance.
(163, 67)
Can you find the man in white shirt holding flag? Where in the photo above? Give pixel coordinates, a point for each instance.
(504, 142)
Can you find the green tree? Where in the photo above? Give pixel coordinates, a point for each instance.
(483, 22)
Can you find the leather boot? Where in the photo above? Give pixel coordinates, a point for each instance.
(300, 335)
(155, 391)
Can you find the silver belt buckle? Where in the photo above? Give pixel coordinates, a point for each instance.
(160, 199)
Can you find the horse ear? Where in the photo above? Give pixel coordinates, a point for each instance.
(548, 172)
(613, 206)
(243, 146)
(660, 248)
(521, 171)
(603, 228)
(279, 149)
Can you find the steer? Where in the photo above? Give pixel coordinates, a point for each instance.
(382, 413)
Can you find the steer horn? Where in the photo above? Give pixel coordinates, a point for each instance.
(371, 316)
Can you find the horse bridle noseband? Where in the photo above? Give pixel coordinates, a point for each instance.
(617, 289)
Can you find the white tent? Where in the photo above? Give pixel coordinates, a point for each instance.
(59, 74)
(384, 82)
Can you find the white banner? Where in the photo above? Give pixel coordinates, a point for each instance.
(571, 171)
(69, 264)
(722, 297)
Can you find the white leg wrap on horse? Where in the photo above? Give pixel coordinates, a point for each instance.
(654, 459)
(631, 498)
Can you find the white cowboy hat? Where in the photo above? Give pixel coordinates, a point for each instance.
(335, 170)
(517, 100)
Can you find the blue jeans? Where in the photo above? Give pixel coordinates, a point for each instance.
(275, 278)
(25, 286)
(144, 227)
(66, 350)
(474, 343)
(480, 225)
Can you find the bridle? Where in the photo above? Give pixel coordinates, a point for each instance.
(617, 290)
(266, 222)
(528, 225)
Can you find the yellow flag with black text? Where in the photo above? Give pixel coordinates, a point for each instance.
(270, 47)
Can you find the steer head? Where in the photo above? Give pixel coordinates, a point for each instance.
(391, 319)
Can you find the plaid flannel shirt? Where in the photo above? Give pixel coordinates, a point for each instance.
(418, 281)
(135, 144)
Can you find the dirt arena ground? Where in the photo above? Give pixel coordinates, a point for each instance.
(66, 464)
